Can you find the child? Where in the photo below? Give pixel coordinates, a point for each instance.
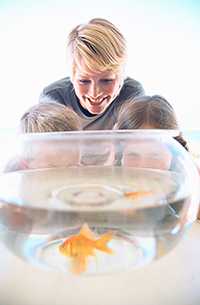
(49, 117)
(148, 112)
(46, 118)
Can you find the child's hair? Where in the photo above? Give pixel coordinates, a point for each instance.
(148, 112)
(49, 117)
(99, 44)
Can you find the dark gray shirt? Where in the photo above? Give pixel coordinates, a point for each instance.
(62, 91)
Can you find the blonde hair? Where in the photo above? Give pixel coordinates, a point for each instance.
(49, 117)
(99, 44)
(153, 111)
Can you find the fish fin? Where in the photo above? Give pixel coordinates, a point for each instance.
(79, 264)
(101, 243)
(136, 195)
(63, 249)
(86, 232)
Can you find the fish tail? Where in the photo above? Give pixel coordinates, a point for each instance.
(79, 264)
(101, 243)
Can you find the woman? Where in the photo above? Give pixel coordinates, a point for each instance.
(97, 87)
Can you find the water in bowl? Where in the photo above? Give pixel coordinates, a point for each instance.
(145, 209)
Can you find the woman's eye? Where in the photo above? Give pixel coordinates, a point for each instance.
(84, 81)
(106, 80)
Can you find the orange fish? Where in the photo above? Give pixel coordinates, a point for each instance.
(136, 195)
(79, 247)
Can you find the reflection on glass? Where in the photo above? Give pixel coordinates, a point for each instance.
(97, 217)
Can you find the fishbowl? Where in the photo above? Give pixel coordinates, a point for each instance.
(95, 202)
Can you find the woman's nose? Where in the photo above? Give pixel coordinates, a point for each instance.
(94, 91)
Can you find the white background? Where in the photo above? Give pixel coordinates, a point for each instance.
(163, 48)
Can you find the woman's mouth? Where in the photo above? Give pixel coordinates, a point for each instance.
(98, 102)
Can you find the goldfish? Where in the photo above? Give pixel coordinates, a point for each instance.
(79, 247)
(136, 195)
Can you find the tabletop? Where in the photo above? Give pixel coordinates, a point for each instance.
(173, 279)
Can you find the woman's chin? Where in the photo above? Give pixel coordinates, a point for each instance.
(96, 109)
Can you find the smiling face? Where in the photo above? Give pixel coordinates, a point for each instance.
(96, 90)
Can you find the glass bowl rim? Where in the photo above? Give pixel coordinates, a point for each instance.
(105, 134)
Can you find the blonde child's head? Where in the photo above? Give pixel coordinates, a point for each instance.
(49, 117)
(45, 151)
